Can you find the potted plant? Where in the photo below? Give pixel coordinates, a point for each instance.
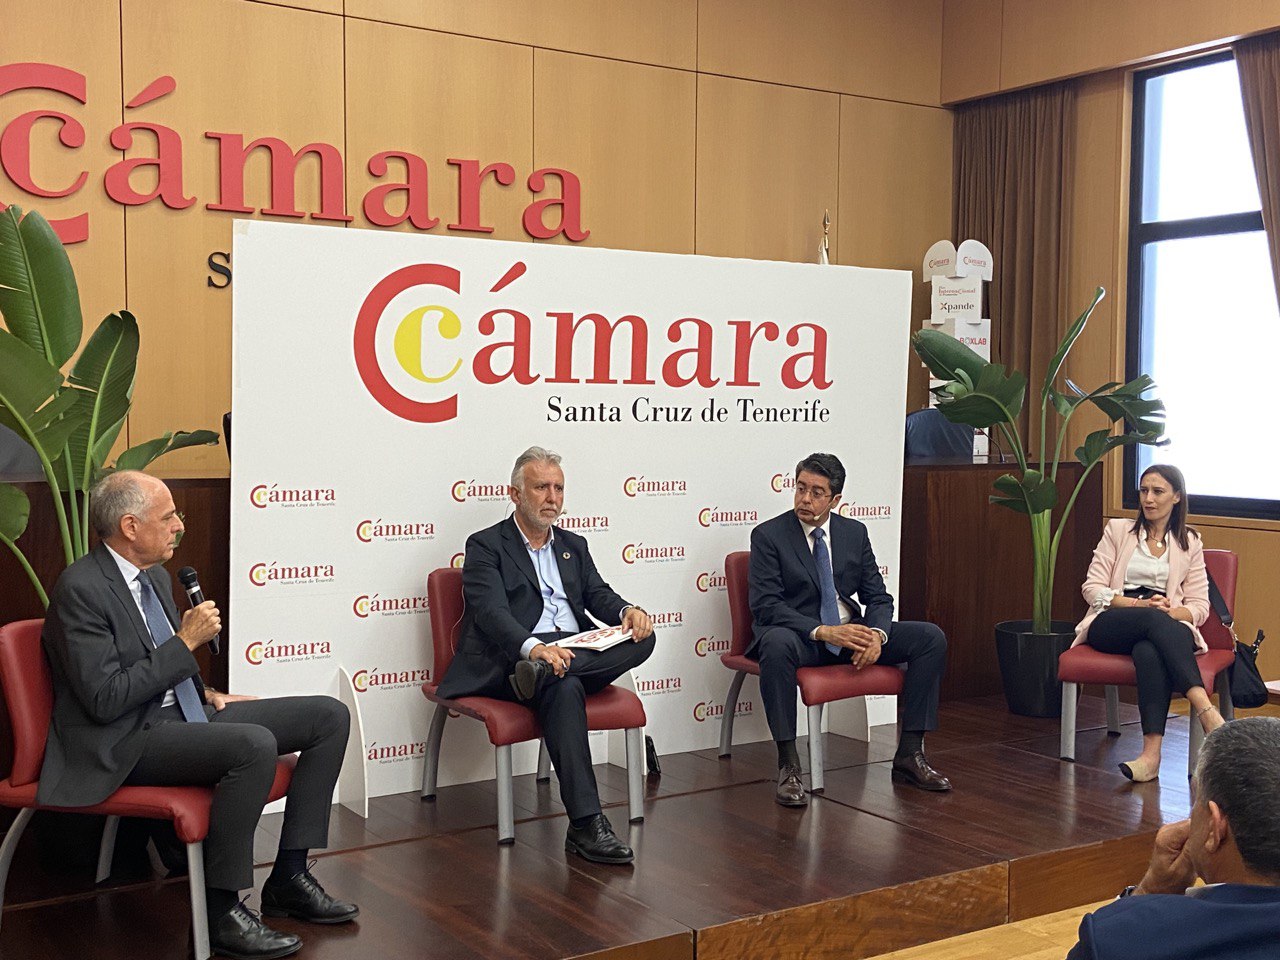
(981, 394)
(72, 419)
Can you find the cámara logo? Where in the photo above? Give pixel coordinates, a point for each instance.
(427, 344)
(261, 574)
(706, 582)
(644, 487)
(865, 511)
(667, 618)
(368, 531)
(395, 752)
(258, 653)
(456, 560)
(366, 605)
(375, 679)
(273, 495)
(659, 685)
(782, 481)
(710, 710)
(715, 517)
(710, 646)
(645, 553)
(464, 490)
(583, 524)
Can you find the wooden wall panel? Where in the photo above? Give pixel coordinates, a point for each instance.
(452, 97)
(35, 33)
(244, 68)
(1257, 600)
(320, 6)
(767, 169)
(895, 202)
(661, 32)
(863, 47)
(628, 131)
(970, 48)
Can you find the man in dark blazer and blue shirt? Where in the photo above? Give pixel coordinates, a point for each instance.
(527, 583)
(807, 565)
(129, 708)
(1231, 842)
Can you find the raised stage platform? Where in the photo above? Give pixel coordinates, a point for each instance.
(721, 869)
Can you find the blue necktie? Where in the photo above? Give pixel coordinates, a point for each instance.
(827, 584)
(162, 630)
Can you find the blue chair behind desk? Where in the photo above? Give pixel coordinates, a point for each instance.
(930, 434)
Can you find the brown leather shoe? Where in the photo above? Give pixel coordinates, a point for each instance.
(916, 771)
(790, 789)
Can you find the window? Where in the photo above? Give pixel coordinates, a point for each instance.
(1202, 314)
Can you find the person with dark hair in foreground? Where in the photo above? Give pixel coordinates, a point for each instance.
(129, 708)
(806, 566)
(1231, 842)
(1148, 592)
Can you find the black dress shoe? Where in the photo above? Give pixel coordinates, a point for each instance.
(597, 842)
(529, 676)
(242, 936)
(915, 770)
(790, 791)
(304, 899)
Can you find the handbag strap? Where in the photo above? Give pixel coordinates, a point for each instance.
(1219, 604)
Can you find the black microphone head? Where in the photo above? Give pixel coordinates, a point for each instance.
(187, 577)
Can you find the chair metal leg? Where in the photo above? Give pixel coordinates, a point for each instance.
(506, 800)
(1197, 737)
(1225, 706)
(635, 760)
(1067, 734)
(1113, 710)
(432, 764)
(815, 749)
(199, 913)
(544, 762)
(107, 848)
(10, 846)
(730, 707)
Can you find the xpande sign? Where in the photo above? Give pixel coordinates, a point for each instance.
(437, 348)
(156, 171)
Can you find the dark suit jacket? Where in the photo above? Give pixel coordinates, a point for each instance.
(1230, 921)
(784, 577)
(108, 680)
(504, 603)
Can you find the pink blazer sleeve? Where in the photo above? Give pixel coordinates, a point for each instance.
(1195, 585)
(1103, 566)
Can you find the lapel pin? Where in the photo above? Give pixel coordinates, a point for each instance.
(565, 554)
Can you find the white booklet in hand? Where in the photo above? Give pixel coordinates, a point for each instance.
(601, 639)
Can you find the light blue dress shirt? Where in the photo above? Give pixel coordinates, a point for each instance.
(557, 614)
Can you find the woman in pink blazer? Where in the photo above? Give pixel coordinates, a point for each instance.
(1148, 593)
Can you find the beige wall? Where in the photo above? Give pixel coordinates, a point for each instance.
(991, 46)
(722, 127)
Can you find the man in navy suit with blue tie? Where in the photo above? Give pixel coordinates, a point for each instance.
(1231, 842)
(806, 567)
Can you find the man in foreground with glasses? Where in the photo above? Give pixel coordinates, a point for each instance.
(806, 566)
(129, 708)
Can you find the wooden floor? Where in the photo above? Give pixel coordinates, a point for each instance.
(869, 867)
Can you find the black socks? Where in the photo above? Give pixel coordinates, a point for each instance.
(289, 863)
(787, 755)
(219, 902)
(911, 742)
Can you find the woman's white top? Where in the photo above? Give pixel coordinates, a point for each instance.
(1145, 570)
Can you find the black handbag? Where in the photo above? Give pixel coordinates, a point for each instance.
(1247, 687)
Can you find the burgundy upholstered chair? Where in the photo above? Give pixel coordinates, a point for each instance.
(506, 722)
(28, 692)
(818, 685)
(1083, 664)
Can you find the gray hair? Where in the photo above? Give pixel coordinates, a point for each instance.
(113, 498)
(1239, 770)
(532, 455)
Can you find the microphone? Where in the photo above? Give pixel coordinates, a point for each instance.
(191, 581)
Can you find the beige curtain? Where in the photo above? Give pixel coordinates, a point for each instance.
(1259, 61)
(1013, 169)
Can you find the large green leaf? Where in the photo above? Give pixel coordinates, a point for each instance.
(1097, 444)
(27, 382)
(1144, 417)
(945, 356)
(1033, 492)
(106, 368)
(15, 509)
(38, 294)
(137, 457)
(993, 399)
(1068, 341)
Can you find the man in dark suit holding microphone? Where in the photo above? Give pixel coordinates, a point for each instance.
(806, 566)
(527, 583)
(129, 708)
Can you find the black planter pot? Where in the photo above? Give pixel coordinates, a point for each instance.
(1029, 666)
